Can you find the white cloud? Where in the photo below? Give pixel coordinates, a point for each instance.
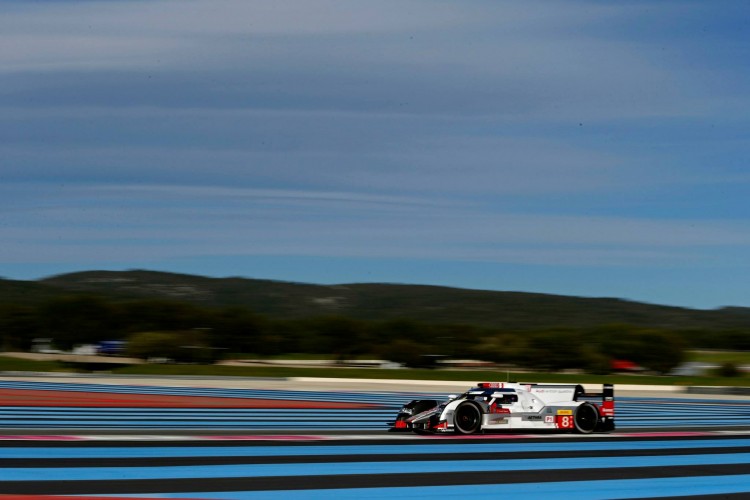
(110, 223)
(95, 34)
(459, 59)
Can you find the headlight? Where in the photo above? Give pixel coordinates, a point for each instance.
(406, 410)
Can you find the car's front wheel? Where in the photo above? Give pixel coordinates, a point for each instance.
(467, 418)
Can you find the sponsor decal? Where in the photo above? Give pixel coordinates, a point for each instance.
(534, 417)
(564, 412)
(491, 385)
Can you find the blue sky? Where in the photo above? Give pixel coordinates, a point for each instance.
(585, 148)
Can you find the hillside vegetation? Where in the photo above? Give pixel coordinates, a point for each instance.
(509, 310)
(197, 319)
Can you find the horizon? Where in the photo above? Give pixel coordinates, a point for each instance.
(333, 284)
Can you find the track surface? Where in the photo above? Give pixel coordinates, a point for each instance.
(663, 448)
(39, 405)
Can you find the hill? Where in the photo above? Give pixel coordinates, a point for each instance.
(434, 304)
(26, 292)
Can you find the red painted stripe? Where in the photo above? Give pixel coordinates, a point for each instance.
(66, 497)
(33, 397)
(41, 438)
(254, 437)
(290, 437)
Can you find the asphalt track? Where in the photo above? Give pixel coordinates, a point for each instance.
(235, 443)
(40, 405)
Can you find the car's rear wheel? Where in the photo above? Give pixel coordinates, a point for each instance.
(586, 418)
(467, 418)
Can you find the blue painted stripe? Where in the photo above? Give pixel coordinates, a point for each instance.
(297, 414)
(374, 449)
(271, 425)
(590, 490)
(197, 426)
(160, 425)
(348, 468)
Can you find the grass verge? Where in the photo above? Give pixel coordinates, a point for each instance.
(739, 358)
(416, 374)
(13, 364)
(9, 364)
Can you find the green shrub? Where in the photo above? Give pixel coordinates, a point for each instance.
(189, 346)
(728, 370)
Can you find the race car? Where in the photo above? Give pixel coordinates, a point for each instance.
(494, 406)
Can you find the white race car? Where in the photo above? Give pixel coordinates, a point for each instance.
(511, 405)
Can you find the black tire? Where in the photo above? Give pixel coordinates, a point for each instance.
(467, 418)
(586, 418)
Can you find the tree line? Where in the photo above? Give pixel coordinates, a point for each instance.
(190, 333)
